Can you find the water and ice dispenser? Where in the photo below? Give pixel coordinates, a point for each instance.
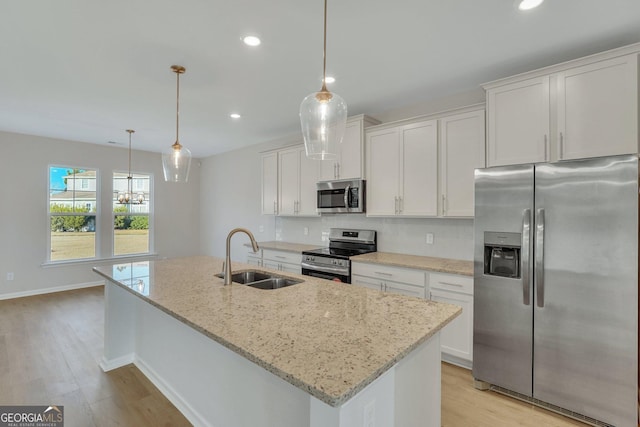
(502, 254)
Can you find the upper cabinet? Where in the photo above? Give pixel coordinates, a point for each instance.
(415, 170)
(583, 108)
(297, 182)
(598, 109)
(402, 164)
(518, 122)
(350, 161)
(462, 144)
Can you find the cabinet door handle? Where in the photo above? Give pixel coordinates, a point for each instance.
(444, 204)
(335, 171)
(275, 206)
(395, 199)
(338, 175)
(279, 256)
(400, 204)
(561, 145)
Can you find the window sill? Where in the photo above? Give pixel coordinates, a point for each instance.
(124, 258)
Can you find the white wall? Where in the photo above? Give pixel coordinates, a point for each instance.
(230, 197)
(24, 225)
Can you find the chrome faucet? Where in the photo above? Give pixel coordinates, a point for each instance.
(227, 260)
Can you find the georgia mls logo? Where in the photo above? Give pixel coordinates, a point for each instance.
(32, 416)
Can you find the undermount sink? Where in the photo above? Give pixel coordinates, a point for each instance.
(261, 280)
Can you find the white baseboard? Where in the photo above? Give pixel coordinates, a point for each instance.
(119, 362)
(463, 363)
(174, 397)
(51, 290)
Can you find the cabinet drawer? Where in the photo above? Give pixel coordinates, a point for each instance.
(384, 272)
(282, 256)
(451, 282)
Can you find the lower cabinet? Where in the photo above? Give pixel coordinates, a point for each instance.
(254, 258)
(282, 260)
(456, 339)
(405, 281)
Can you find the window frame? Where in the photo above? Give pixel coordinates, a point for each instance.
(96, 215)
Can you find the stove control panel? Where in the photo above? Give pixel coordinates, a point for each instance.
(322, 260)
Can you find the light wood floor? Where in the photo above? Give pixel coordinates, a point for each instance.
(50, 347)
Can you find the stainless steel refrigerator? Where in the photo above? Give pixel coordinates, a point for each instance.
(556, 285)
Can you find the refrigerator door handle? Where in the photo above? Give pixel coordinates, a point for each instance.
(539, 255)
(524, 258)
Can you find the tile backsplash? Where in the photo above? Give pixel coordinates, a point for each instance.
(452, 238)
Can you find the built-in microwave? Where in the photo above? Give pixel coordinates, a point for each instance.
(343, 196)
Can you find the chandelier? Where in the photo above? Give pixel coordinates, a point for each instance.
(127, 197)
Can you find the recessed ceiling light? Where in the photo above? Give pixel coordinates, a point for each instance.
(251, 41)
(529, 4)
(235, 115)
(329, 79)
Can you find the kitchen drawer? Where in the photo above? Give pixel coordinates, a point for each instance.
(388, 286)
(282, 256)
(385, 272)
(451, 282)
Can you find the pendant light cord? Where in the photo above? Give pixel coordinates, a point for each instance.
(130, 132)
(324, 51)
(177, 106)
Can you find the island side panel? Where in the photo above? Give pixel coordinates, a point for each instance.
(407, 395)
(372, 406)
(119, 327)
(418, 386)
(210, 384)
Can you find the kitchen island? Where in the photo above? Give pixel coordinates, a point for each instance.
(317, 354)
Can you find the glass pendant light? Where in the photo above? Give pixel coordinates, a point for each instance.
(176, 161)
(323, 116)
(127, 197)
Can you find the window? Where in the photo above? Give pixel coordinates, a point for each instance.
(72, 213)
(131, 221)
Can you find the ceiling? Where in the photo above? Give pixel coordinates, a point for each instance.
(86, 70)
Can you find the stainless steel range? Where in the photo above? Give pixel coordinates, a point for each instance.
(333, 263)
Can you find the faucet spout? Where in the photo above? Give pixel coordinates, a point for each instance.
(227, 260)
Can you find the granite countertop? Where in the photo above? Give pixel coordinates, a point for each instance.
(329, 339)
(286, 246)
(441, 265)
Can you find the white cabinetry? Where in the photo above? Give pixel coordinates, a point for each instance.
(297, 179)
(402, 164)
(405, 281)
(583, 108)
(425, 168)
(349, 164)
(462, 150)
(270, 183)
(282, 260)
(456, 340)
(518, 122)
(598, 109)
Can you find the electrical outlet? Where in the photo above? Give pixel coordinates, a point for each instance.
(429, 238)
(370, 414)
(306, 231)
(261, 229)
(10, 276)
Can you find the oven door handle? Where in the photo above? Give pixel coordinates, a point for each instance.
(328, 269)
(347, 196)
